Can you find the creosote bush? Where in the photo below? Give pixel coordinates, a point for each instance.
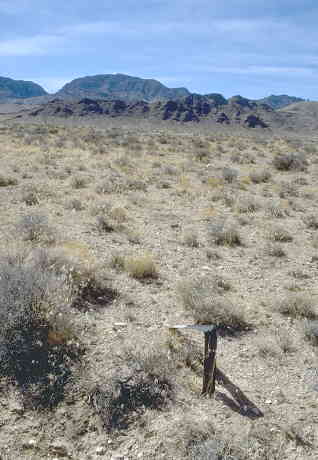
(7, 181)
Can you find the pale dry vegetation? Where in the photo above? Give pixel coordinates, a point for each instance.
(111, 235)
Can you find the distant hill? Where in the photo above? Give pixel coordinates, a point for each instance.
(119, 86)
(192, 108)
(280, 101)
(19, 89)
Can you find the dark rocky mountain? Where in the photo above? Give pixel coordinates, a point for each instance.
(19, 89)
(193, 108)
(280, 101)
(119, 86)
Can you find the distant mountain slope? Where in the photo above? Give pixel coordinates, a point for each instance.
(19, 89)
(280, 101)
(119, 86)
(193, 108)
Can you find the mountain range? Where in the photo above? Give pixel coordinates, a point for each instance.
(118, 87)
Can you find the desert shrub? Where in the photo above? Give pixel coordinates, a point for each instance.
(119, 214)
(247, 205)
(117, 261)
(268, 347)
(141, 267)
(311, 331)
(290, 161)
(275, 210)
(229, 175)
(190, 238)
(104, 224)
(258, 177)
(280, 234)
(298, 306)
(311, 221)
(275, 250)
(147, 385)
(79, 182)
(75, 205)
(30, 196)
(224, 234)
(288, 189)
(36, 332)
(203, 299)
(6, 181)
(36, 228)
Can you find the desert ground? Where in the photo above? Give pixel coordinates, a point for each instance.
(113, 232)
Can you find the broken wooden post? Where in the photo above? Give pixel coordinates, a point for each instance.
(210, 346)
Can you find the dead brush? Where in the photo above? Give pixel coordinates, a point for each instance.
(204, 299)
(37, 335)
(298, 306)
(148, 385)
(290, 161)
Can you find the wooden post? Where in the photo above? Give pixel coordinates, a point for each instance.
(210, 346)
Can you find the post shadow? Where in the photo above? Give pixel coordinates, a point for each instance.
(240, 402)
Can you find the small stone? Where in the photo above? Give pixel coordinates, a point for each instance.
(268, 401)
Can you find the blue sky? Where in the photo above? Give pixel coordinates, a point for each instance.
(248, 47)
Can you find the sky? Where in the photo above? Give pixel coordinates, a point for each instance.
(248, 47)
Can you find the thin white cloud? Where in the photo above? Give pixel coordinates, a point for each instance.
(37, 45)
(263, 70)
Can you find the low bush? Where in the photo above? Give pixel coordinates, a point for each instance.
(290, 161)
(37, 336)
(298, 306)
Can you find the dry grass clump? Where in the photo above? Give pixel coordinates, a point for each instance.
(37, 337)
(257, 177)
(119, 214)
(247, 205)
(36, 228)
(290, 161)
(298, 305)
(79, 182)
(6, 181)
(141, 267)
(203, 299)
(280, 234)
(224, 234)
